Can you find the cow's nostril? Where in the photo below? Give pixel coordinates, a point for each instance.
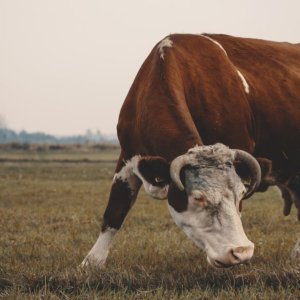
(232, 252)
(242, 254)
(240, 249)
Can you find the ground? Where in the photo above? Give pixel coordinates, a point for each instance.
(51, 205)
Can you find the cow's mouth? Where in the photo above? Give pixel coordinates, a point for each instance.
(219, 264)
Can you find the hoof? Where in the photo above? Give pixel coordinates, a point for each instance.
(295, 253)
(91, 262)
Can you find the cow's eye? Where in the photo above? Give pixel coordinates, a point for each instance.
(200, 201)
(229, 164)
(159, 179)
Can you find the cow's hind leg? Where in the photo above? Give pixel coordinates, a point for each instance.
(123, 193)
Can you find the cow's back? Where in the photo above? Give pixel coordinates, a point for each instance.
(183, 95)
(272, 70)
(189, 91)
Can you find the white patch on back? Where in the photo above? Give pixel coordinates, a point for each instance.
(215, 42)
(245, 83)
(167, 42)
(98, 254)
(241, 76)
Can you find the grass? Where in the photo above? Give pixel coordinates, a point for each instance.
(50, 215)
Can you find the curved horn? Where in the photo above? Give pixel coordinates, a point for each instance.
(177, 164)
(255, 172)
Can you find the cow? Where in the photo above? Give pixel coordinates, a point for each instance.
(208, 120)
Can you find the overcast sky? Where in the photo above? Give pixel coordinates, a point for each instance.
(66, 66)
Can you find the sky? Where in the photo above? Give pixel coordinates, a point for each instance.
(66, 65)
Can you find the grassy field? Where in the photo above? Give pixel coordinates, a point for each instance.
(50, 215)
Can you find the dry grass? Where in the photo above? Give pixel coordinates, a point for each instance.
(50, 214)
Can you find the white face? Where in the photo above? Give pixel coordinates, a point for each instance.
(211, 218)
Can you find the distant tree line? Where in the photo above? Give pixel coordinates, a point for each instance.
(24, 137)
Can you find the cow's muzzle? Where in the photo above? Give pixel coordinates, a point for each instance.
(234, 256)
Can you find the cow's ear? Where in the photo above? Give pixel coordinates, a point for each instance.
(266, 172)
(155, 170)
(265, 165)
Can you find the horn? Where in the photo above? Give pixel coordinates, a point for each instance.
(255, 172)
(177, 164)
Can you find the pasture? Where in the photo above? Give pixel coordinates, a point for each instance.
(51, 205)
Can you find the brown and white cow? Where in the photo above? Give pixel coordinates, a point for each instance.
(193, 95)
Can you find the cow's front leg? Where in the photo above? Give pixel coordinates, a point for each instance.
(123, 194)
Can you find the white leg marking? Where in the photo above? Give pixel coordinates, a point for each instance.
(167, 42)
(295, 253)
(244, 82)
(98, 254)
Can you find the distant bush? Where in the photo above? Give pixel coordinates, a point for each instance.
(104, 146)
(14, 146)
(23, 138)
(56, 147)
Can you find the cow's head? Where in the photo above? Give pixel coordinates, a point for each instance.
(204, 198)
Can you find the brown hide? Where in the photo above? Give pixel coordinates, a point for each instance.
(193, 95)
(272, 70)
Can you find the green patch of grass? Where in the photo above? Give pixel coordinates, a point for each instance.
(50, 216)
